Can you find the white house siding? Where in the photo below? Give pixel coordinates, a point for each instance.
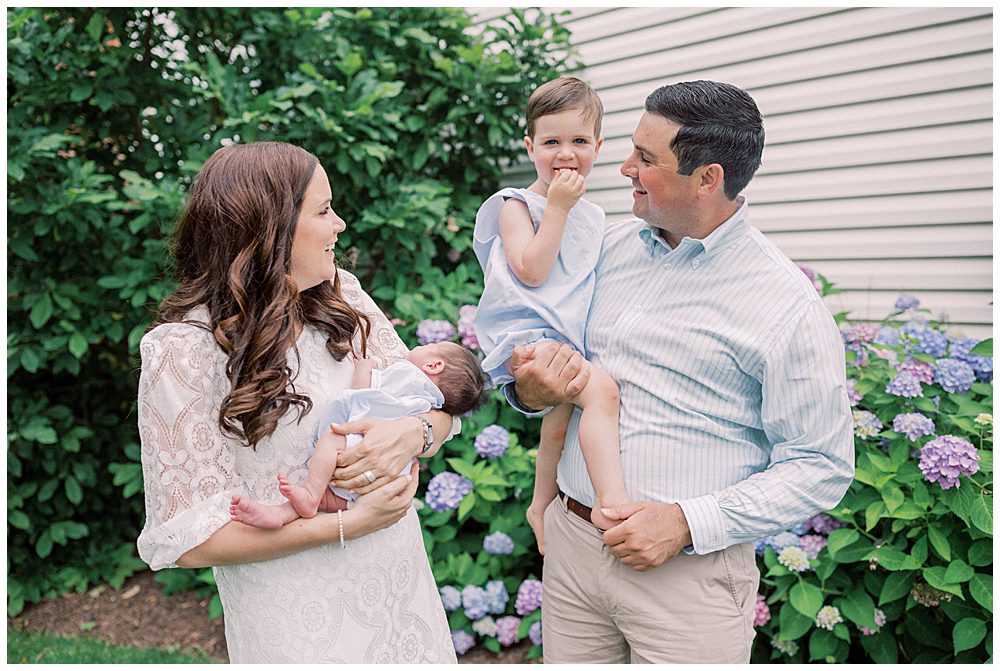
(877, 170)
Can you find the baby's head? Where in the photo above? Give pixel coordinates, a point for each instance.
(456, 372)
(564, 127)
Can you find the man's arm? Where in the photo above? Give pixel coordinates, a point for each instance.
(546, 375)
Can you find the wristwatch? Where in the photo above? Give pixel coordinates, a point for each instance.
(428, 434)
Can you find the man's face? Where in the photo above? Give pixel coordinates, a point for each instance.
(662, 196)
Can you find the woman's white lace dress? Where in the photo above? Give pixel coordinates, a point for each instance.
(374, 601)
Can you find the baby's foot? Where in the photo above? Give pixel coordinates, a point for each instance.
(304, 504)
(255, 514)
(599, 519)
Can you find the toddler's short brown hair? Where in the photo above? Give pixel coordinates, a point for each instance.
(565, 93)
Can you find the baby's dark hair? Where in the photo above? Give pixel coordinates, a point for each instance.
(463, 382)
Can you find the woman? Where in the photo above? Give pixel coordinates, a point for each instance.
(262, 329)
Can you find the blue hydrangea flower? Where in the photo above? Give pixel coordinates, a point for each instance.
(906, 385)
(446, 490)
(907, 302)
(496, 597)
(953, 375)
(434, 330)
(529, 597)
(485, 627)
(945, 458)
(493, 441)
(887, 335)
(981, 365)
(474, 601)
(913, 424)
(498, 543)
(921, 370)
(924, 338)
(535, 633)
(507, 629)
(866, 424)
(462, 640)
(800, 528)
(451, 598)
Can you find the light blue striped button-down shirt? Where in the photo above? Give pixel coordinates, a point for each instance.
(732, 377)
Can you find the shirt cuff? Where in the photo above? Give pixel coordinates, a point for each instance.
(508, 392)
(706, 523)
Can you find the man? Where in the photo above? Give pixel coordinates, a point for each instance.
(734, 423)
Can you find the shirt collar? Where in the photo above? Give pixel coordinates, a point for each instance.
(730, 230)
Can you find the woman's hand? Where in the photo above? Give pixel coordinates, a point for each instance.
(384, 451)
(383, 507)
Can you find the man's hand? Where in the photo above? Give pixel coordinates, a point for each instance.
(547, 374)
(650, 534)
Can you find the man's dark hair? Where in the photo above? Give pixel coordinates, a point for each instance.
(720, 123)
(463, 382)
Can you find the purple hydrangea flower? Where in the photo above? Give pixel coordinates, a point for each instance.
(529, 597)
(981, 365)
(446, 490)
(485, 627)
(462, 640)
(466, 331)
(945, 458)
(860, 333)
(953, 375)
(474, 601)
(866, 424)
(434, 330)
(824, 524)
(800, 528)
(879, 623)
(906, 385)
(853, 395)
(924, 338)
(493, 441)
(535, 633)
(507, 629)
(496, 597)
(907, 302)
(828, 617)
(498, 543)
(921, 370)
(451, 598)
(812, 544)
(761, 614)
(913, 424)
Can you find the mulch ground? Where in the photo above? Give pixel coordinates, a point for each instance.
(140, 615)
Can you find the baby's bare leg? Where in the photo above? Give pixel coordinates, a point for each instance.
(259, 515)
(306, 499)
(549, 450)
(599, 442)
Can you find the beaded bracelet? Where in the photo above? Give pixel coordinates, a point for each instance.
(340, 521)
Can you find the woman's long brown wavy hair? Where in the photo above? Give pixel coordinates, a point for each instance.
(232, 249)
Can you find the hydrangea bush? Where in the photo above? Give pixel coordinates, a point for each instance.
(901, 570)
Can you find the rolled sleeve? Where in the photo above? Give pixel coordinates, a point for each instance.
(511, 395)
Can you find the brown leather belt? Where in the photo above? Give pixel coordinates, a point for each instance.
(575, 506)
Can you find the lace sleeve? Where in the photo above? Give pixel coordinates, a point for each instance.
(188, 466)
(384, 344)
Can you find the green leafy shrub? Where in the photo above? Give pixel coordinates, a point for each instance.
(111, 112)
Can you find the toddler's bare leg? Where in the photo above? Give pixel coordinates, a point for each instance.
(259, 515)
(306, 499)
(549, 450)
(599, 442)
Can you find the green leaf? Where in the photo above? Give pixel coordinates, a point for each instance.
(95, 27)
(985, 348)
(492, 644)
(17, 518)
(78, 345)
(958, 572)
(882, 647)
(968, 633)
(939, 541)
(893, 497)
(981, 588)
(806, 598)
(822, 644)
(981, 553)
(873, 514)
(81, 92)
(982, 513)
(934, 575)
(894, 560)
(839, 539)
(465, 507)
(858, 607)
(896, 586)
(41, 311)
(73, 491)
(792, 624)
(43, 547)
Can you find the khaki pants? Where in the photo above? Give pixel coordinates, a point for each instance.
(692, 609)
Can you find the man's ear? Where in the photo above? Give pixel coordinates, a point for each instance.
(711, 178)
(434, 367)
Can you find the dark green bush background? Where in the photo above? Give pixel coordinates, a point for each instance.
(110, 114)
